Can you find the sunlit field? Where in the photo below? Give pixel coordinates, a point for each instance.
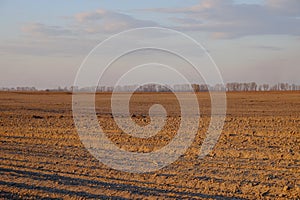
(257, 154)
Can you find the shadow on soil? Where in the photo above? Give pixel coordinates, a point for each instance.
(71, 181)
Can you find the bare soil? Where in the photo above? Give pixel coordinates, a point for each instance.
(257, 155)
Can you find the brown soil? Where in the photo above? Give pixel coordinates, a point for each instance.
(257, 155)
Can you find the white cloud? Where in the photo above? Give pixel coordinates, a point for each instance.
(109, 21)
(77, 36)
(94, 22)
(39, 29)
(226, 19)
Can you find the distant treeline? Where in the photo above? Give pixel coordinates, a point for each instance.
(252, 86)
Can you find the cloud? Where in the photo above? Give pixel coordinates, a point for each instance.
(85, 23)
(91, 16)
(109, 21)
(77, 35)
(264, 47)
(226, 19)
(38, 29)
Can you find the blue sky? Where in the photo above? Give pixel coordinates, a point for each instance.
(42, 43)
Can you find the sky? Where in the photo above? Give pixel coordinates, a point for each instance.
(43, 43)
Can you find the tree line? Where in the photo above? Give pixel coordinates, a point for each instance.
(234, 86)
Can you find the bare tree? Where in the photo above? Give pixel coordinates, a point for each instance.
(266, 87)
